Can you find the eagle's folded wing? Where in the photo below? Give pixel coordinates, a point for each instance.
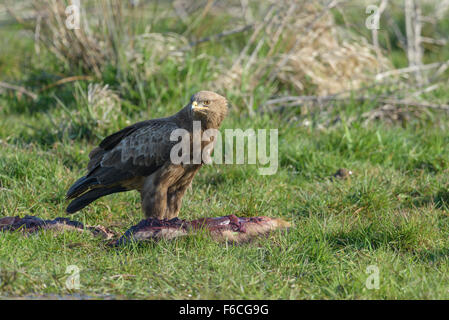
(126, 155)
(143, 151)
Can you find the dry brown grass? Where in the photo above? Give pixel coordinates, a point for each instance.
(87, 48)
(150, 49)
(306, 51)
(106, 36)
(296, 44)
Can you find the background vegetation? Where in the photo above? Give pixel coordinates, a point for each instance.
(312, 69)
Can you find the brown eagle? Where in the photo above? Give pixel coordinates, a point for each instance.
(138, 158)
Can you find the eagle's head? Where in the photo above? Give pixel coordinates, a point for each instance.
(208, 107)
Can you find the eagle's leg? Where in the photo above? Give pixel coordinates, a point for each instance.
(176, 191)
(174, 200)
(162, 191)
(154, 199)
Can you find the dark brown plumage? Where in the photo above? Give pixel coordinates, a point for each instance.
(138, 158)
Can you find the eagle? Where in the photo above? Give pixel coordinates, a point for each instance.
(138, 158)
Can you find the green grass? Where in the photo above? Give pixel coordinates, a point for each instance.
(392, 213)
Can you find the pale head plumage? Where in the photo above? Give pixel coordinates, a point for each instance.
(208, 107)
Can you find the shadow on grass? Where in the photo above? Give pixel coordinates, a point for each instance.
(440, 199)
(433, 255)
(47, 134)
(215, 179)
(395, 239)
(41, 83)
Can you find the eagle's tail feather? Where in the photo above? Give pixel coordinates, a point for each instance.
(88, 197)
(81, 185)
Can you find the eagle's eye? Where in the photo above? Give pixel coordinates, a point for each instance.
(206, 102)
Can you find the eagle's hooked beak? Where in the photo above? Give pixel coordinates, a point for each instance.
(197, 107)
